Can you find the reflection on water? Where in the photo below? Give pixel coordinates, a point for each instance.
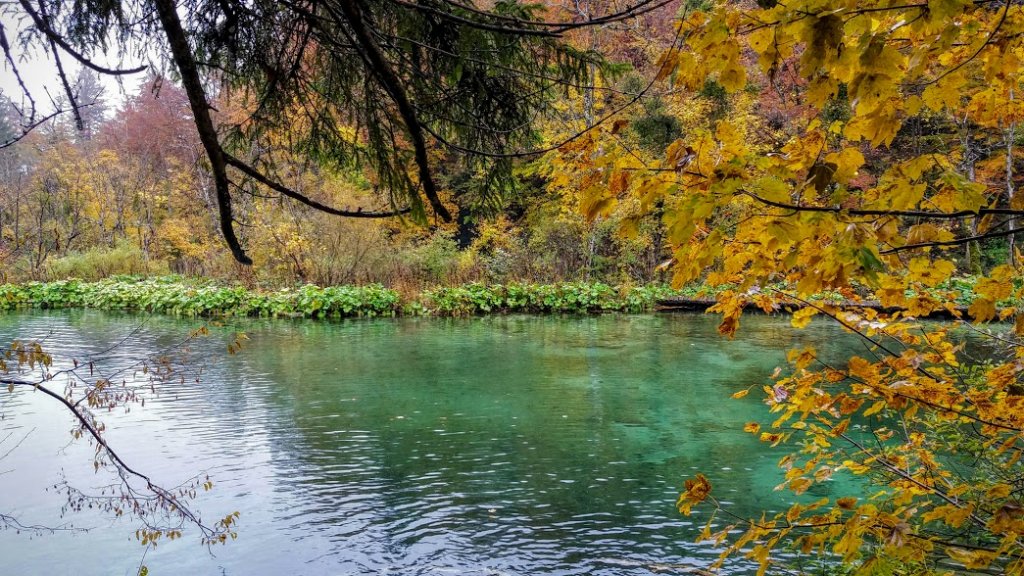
(504, 445)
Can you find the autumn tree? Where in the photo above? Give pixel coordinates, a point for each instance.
(783, 217)
(375, 83)
(91, 102)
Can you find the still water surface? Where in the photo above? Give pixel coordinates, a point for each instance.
(505, 445)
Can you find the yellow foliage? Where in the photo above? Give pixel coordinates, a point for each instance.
(813, 207)
(806, 208)
(696, 491)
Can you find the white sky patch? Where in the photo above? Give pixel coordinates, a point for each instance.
(39, 73)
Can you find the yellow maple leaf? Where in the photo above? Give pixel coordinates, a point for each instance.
(695, 491)
(982, 310)
(930, 272)
(847, 161)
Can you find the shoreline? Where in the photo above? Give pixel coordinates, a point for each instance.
(198, 297)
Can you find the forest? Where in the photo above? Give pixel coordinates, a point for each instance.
(852, 164)
(130, 193)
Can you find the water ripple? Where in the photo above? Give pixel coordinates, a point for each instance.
(499, 446)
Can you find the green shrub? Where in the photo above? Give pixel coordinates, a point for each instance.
(176, 296)
(172, 295)
(101, 262)
(435, 259)
(564, 297)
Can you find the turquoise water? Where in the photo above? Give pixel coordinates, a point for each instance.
(501, 445)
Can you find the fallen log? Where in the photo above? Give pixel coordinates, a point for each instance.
(702, 304)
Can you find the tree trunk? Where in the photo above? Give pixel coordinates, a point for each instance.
(181, 52)
(972, 249)
(1011, 222)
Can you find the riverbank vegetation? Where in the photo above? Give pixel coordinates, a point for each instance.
(860, 147)
(204, 297)
(176, 296)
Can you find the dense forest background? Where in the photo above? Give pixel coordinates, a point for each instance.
(130, 193)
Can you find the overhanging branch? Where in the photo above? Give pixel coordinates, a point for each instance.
(181, 52)
(121, 465)
(39, 19)
(286, 191)
(379, 68)
(880, 212)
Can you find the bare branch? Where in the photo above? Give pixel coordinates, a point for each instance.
(28, 128)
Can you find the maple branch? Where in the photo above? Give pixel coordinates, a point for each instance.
(988, 40)
(881, 459)
(909, 214)
(893, 354)
(880, 212)
(956, 242)
(860, 11)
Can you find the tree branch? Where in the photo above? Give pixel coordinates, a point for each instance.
(379, 67)
(72, 101)
(28, 128)
(900, 213)
(278, 187)
(181, 52)
(39, 19)
(161, 493)
(957, 242)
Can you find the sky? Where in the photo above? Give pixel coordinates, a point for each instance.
(39, 72)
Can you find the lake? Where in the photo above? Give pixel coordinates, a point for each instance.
(483, 446)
